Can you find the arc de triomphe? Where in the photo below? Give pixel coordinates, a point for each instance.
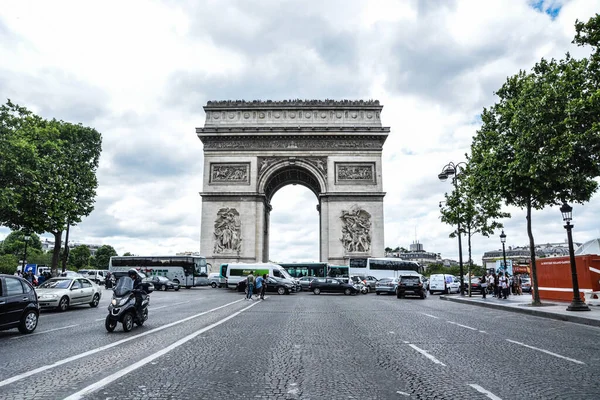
(253, 149)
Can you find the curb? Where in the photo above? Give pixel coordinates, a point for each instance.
(531, 311)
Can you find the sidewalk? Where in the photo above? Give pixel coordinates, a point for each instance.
(522, 304)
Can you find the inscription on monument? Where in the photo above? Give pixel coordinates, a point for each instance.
(277, 143)
(355, 173)
(229, 173)
(356, 230)
(228, 231)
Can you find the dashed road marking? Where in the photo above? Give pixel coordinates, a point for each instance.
(426, 354)
(547, 352)
(484, 391)
(432, 316)
(403, 393)
(462, 326)
(49, 330)
(117, 375)
(108, 346)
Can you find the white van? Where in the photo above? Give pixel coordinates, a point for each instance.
(443, 283)
(237, 272)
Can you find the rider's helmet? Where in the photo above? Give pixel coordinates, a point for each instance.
(132, 273)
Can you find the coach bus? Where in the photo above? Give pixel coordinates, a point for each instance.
(319, 270)
(383, 267)
(186, 271)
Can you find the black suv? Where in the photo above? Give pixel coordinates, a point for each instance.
(18, 304)
(411, 285)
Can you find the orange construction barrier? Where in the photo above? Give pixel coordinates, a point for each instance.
(555, 281)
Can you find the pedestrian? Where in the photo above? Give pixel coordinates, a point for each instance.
(264, 286)
(490, 282)
(503, 283)
(259, 285)
(518, 283)
(250, 285)
(496, 284)
(483, 283)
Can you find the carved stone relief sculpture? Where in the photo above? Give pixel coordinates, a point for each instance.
(229, 173)
(319, 163)
(228, 231)
(356, 230)
(355, 172)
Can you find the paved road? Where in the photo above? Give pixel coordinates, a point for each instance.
(210, 343)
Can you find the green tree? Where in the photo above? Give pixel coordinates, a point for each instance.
(47, 173)
(103, 255)
(14, 244)
(79, 257)
(8, 264)
(128, 254)
(539, 145)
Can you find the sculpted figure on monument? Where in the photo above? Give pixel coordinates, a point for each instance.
(227, 231)
(356, 230)
(224, 173)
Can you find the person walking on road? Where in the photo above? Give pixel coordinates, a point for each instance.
(259, 285)
(264, 286)
(250, 285)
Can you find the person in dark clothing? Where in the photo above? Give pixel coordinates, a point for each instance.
(483, 284)
(137, 291)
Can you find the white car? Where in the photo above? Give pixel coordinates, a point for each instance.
(61, 293)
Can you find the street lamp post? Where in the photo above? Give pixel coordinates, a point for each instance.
(26, 238)
(453, 170)
(576, 303)
(503, 240)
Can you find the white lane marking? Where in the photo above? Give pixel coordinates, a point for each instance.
(403, 393)
(482, 332)
(426, 354)
(547, 352)
(156, 308)
(101, 319)
(432, 316)
(484, 391)
(119, 374)
(184, 302)
(49, 330)
(108, 346)
(462, 326)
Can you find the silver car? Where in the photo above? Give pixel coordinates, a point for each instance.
(386, 285)
(61, 293)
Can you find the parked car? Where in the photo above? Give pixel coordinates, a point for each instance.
(444, 283)
(70, 274)
(61, 293)
(305, 282)
(410, 285)
(525, 284)
(331, 285)
(216, 280)
(161, 283)
(475, 286)
(387, 285)
(19, 306)
(95, 275)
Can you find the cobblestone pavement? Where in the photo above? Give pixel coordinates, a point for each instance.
(208, 343)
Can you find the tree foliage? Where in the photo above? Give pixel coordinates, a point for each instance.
(103, 255)
(79, 257)
(539, 145)
(47, 172)
(14, 244)
(8, 264)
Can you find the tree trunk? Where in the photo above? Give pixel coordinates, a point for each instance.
(470, 259)
(66, 252)
(56, 253)
(536, 293)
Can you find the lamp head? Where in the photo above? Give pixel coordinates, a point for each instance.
(26, 237)
(450, 170)
(567, 212)
(503, 237)
(442, 176)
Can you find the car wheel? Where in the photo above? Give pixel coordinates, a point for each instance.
(95, 301)
(280, 290)
(377, 293)
(431, 292)
(214, 285)
(29, 322)
(110, 324)
(177, 288)
(127, 322)
(347, 291)
(63, 304)
(317, 291)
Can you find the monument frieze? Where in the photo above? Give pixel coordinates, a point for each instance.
(265, 143)
(229, 173)
(355, 172)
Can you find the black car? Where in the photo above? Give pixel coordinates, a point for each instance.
(476, 287)
(162, 283)
(19, 306)
(277, 285)
(331, 285)
(410, 285)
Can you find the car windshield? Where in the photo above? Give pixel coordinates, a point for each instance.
(55, 283)
(124, 286)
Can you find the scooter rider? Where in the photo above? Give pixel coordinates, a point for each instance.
(137, 291)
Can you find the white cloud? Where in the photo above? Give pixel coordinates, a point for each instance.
(140, 73)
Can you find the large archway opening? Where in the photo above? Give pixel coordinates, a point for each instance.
(294, 225)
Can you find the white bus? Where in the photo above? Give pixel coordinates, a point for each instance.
(236, 272)
(186, 271)
(383, 267)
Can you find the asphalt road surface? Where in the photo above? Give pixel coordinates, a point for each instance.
(206, 343)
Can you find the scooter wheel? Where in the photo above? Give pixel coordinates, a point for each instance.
(128, 322)
(110, 324)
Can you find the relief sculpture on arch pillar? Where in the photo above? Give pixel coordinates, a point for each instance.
(356, 230)
(228, 231)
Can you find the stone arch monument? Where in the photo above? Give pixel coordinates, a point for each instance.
(254, 148)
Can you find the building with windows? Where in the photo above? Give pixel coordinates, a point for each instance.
(417, 253)
(521, 255)
(48, 245)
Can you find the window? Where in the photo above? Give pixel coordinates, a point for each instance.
(277, 273)
(76, 285)
(85, 284)
(13, 287)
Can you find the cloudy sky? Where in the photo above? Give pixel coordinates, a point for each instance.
(140, 72)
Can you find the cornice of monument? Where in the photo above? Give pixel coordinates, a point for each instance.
(292, 130)
(293, 103)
